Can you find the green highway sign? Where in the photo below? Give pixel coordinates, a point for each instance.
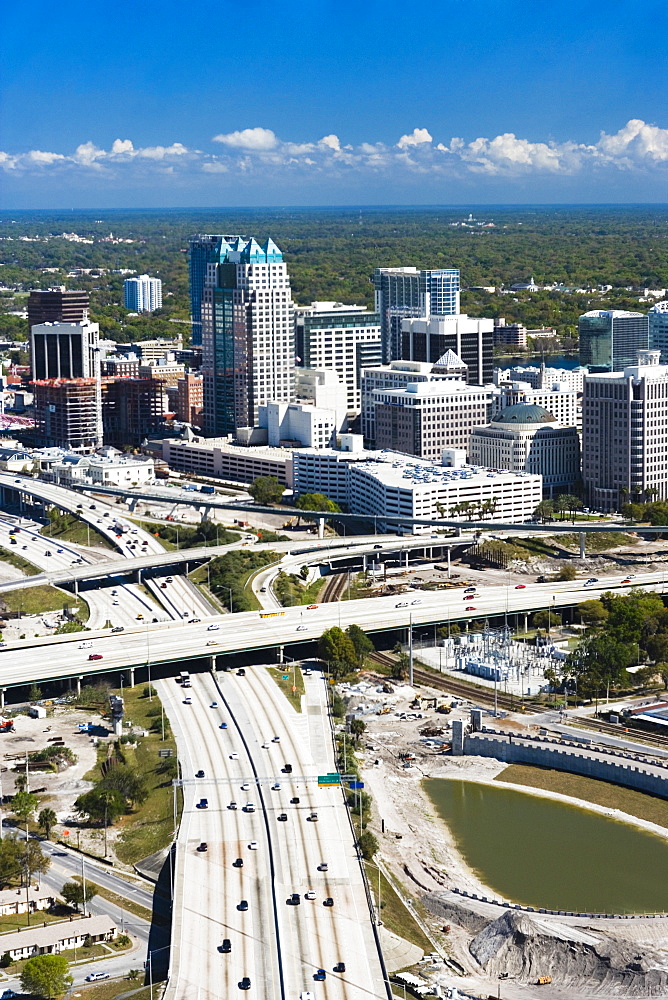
(329, 779)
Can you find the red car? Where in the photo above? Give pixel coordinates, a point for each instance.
(521, 586)
(95, 656)
(470, 608)
(467, 597)
(312, 607)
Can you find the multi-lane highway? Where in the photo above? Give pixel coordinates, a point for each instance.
(64, 656)
(278, 945)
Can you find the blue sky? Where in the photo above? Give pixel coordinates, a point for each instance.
(265, 103)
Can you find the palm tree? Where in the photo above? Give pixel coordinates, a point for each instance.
(46, 820)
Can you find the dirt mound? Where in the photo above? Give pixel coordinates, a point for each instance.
(527, 948)
(452, 913)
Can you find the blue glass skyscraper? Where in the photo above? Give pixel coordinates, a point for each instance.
(202, 251)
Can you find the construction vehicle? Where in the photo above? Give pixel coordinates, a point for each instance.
(385, 710)
(6, 726)
(543, 980)
(443, 709)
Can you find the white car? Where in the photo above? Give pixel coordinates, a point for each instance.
(115, 603)
(276, 786)
(245, 786)
(85, 645)
(301, 628)
(187, 701)
(213, 628)
(418, 601)
(253, 845)
(276, 739)
(234, 756)
(265, 746)
(310, 894)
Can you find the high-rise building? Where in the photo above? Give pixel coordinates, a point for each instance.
(527, 438)
(203, 250)
(132, 409)
(402, 292)
(57, 305)
(472, 340)
(190, 405)
(65, 350)
(658, 329)
(424, 418)
(248, 341)
(142, 294)
(343, 338)
(610, 339)
(625, 434)
(68, 413)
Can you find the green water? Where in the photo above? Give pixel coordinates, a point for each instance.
(541, 853)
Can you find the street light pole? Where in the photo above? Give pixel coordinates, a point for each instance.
(410, 648)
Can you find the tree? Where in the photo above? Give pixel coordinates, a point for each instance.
(46, 976)
(337, 649)
(662, 670)
(24, 805)
(101, 805)
(46, 820)
(368, 845)
(73, 893)
(357, 728)
(544, 511)
(33, 860)
(21, 781)
(546, 620)
(317, 501)
(11, 868)
(362, 643)
(266, 490)
(128, 782)
(592, 613)
(566, 572)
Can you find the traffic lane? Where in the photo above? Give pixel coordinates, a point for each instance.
(70, 865)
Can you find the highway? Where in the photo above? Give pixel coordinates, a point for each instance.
(278, 946)
(170, 642)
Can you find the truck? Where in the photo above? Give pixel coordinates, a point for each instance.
(184, 678)
(207, 489)
(543, 980)
(6, 725)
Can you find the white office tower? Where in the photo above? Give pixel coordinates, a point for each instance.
(248, 346)
(526, 437)
(658, 329)
(396, 375)
(559, 400)
(142, 294)
(625, 434)
(401, 292)
(65, 350)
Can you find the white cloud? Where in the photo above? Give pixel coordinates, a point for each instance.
(252, 139)
(416, 138)
(637, 146)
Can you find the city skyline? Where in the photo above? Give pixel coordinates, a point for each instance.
(335, 107)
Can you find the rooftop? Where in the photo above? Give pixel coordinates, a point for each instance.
(395, 469)
(523, 413)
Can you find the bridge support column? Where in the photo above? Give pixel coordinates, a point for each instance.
(76, 588)
(2, 698)
(206, 513)
(212, 663)
(132, 677)
(132, 504)
(321, 527)
(364, 563)
(526, 623)
(406, 554)
(138, 576)
(582, 544)
(449, 550)
(79, 679)
(281, 654)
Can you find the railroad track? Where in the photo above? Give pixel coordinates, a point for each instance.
(334, 588)
(622, 731)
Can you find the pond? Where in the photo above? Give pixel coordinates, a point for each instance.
(544, 853)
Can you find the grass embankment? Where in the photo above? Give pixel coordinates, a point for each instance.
(35, 600)
(128, 905)
(601, 793)
(68, 528)
(598, 541)
(116, 988)
(230, 577)
(149, 827)
(173, 536)
(394, 913)
(292, 591)
(14, 559)
(295, 680)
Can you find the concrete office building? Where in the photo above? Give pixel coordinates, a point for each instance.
(526, 437)
(509, 334)
(426, 417)
(343, 338)
(472, 340)
(142, 294)
(298, 425)
(542, 377)
(611, 339)
(121, 366)
(563, 403)
(166, 369)
(220, 458)
(396, 375)
(57, 305)
(383, 484)
(248, 341)
(658, 329)
(132, 409)
(625, 434)
(402, 292)
(65, 350)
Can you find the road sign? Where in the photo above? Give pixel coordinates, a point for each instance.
(165, 753)
(356, 784)
(329, 779)
(285, 677)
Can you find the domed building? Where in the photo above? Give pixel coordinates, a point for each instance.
(525, 437)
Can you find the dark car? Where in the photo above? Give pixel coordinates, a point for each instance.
(282, 817)
(118, 628)
(294, 801)
(226, 946)
(241, 672)
(202, 804)
(287, 769)
(294, 900)
(243, 905)
(239, 863)
(328, 902)
(203, 846)
(245, 983)
(340, 967)
(200, 774)
(320, 976)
